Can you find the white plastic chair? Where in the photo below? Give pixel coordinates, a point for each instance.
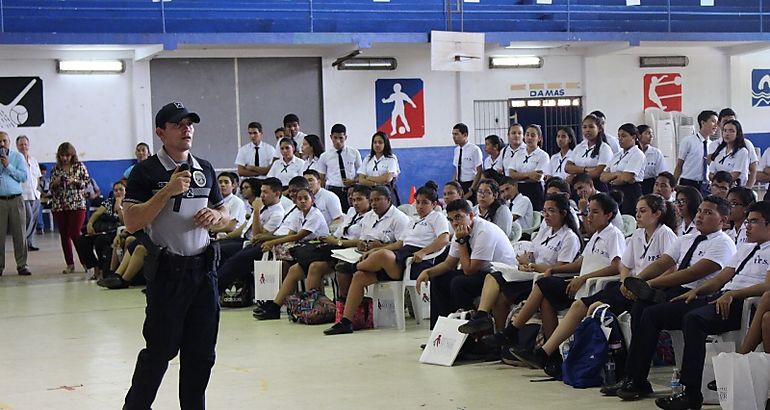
(408, 209)
(420, 300)
(515, 232)
(629, 225)
(537, 217)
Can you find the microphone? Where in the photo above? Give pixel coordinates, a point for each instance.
(178, 198)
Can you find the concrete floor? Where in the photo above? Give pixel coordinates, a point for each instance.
(65, 343)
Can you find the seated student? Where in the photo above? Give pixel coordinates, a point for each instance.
(593, 154)
(583, 188)
(490, 206)
(556, 185)
(655, 164)
(731, 155)
(721, 182)
(423, 240)
(626, 169)
(656, 219)
(271, 217)
(519, 205)
(305, 224)
(95, 247)
(695, 258)
(664, 186)
(529, 165)
(326, 202)
(452, 191)
(555, 245)
(234, 204)
(380, 167)
(759, 330)
(316, 259)
(688, 200)
(288, 166)
(740, 198)
(550, 294)
(566, 141)
(493, 145)
(130, 265)
(477, 244)
(715, 306)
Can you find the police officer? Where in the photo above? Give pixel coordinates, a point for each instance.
(175, 199)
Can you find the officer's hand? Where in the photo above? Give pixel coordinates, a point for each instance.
(179, 182)
(207, 217)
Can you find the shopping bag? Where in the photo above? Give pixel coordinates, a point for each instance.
(267, 278)
(712, 350)
(385, 304)
(444, 342)
(742, 380)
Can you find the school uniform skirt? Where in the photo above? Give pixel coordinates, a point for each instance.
(648, 185)
(515, 292)
(402, 255)
(631, 194)
(534, 191)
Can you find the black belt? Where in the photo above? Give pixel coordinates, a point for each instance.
(9, 196)
(194, 260)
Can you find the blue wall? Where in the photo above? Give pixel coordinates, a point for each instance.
(104, 172)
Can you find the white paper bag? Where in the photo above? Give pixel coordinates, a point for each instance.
(444, 342)
(743, 380)
(267, 278)
(712, 350)
(384, 305)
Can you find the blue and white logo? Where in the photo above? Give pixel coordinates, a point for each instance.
(760, 88)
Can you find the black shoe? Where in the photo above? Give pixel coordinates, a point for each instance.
(339, 328)
(477, 324)
(33, 248)
(345, 267)
(681, 401)
(107, 276)
(612, 389)
(270, 311)
(533, 358)
(643, 291)
(260, 307)
(116, 282)
(507, 357)
(498, 340)
(632, 390)
(24, 271)
(553, 365)
(712, 385)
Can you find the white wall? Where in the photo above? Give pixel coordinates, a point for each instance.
(753, 119)
(95, 112)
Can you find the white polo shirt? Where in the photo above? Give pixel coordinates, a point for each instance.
(246, 155)
(488, 243)
(558, 163)
(420, 232)
(686, 230)
(754, 271)
(286, 171)
(350, 228)
(285, 225)
(385, 229)
(503, 218)
(29, 190)
(550, 247)
(328, 204)
(738, 235)
(376, 167)
(236, 208)
(521, 206)
(712, 146)
(731, 162)
(311, 163)
(631, 160)
(524, 161)
(313, 222)
(329, 165)
(494, 163)
(613, 142)
(692, 153)
(271, 216)
(640, 252)
(654, 162)
(472, 159)
(718, 248)
(582, 156)
(508, 152)
(608, 243)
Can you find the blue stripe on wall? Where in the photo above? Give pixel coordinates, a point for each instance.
(760, 140)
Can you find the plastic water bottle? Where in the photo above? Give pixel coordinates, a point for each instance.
(676, 385)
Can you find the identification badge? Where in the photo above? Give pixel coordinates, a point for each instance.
(199, 178)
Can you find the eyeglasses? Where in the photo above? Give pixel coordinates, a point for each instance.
(485, 192)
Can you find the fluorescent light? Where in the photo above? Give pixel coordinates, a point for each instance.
(90, 66)
(368, 63)
(663, 61)
(515, 62)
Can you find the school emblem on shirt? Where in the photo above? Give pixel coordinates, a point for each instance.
(199, 178)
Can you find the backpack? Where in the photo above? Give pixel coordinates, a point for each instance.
(364, 317)
(310, 308)
(583, 365)
(240, 294)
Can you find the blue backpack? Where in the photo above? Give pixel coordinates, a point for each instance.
(587, 355)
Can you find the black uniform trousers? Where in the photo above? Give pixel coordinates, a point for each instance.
(702, 187)
(182, 317)
(342, 194)
(452, 291)
(238, 265)
(95, 250)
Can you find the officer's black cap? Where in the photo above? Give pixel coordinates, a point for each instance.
(174, 112)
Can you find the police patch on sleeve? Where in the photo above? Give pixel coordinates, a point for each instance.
(199, 178)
